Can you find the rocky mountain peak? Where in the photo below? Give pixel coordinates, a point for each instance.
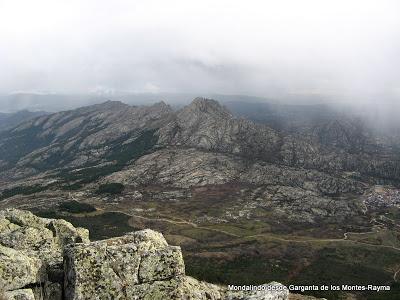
(162, 107)
(208, 106)
(110, 105)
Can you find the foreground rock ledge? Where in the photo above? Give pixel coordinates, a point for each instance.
(51, 259)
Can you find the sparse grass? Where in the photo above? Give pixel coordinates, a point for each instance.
(203, 235)
(242, 229)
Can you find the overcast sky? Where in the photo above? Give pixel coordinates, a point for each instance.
(330, 47)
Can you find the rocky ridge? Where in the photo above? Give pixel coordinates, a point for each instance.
(50, 259)
(107, 134)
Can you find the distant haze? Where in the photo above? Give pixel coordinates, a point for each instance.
(335, 50)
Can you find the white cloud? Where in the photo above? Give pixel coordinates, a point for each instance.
(255, 47)
(151, 88)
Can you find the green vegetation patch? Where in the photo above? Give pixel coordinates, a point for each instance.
(18, 145)
(22, 190)
(120, 154)
(76, 207)
(75, 179)
(123, 153)
(299, 264)
(110, 188)
(101, 226)
(239, 270)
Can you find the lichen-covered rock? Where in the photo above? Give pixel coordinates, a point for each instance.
(29, 239)
(22, 230)
(22, 294)
(182, 287)
(161, 264)
(31, 251)
(64, 233)
(7, 226)
(18, 270)
(23, 218)
(111, 267)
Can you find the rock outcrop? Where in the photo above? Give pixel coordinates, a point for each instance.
(121, 267)
(31, 252)
(52, 260)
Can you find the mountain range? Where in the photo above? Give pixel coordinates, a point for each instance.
(105, 134)
(239, 184)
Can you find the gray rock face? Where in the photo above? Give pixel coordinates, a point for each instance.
(31, 251)
(192, 167)
(18, 270)
(293, 194)
(112, 268)
(138, 265)
(179, 168)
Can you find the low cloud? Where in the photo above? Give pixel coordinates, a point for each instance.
(345, 50)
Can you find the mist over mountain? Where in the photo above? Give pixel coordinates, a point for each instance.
(266, 49)
(282, 111)
(57, 102)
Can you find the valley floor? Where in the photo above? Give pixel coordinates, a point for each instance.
(364, 249)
